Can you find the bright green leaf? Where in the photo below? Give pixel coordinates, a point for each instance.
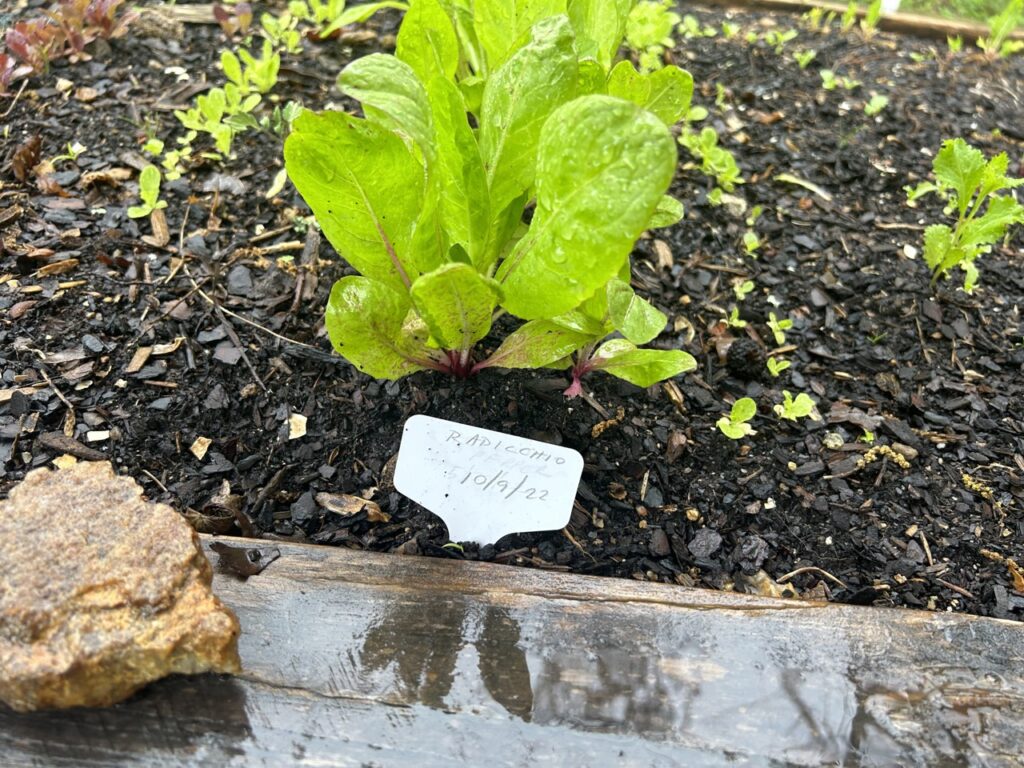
(743, 409)
(960, 166)
(366, 321)
(603, 166)
(642, 367)
(536, 344)
(669, 211)
(599, 26)
(457, 303)
(427, 41)
(633, 317)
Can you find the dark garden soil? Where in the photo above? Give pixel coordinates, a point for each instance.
(110, 347)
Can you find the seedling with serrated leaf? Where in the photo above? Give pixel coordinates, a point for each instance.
(149, 191)
(330, 16)
(424, 196)
(743, 289)
(1001, 26)
(804, 58)
(876, 104)
(869, 24)
(251, 74)
(969, 183)
(751, 243)
(776, 366)
(736, 425)
(849, 17)
(716, 161)
(829, 81)
(793, 409)
(955, 43)
(778, 39)
(733, 321)
(779, 327)
(649, 32)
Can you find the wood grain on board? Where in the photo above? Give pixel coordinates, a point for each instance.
(360, 659)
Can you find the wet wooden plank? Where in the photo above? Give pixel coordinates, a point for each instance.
(907, 23)
(353, 658)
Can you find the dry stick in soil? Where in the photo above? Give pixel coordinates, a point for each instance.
(811, 569)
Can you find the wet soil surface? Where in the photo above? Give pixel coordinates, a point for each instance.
(111, 347)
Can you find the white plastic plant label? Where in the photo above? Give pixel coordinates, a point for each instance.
(486, 484)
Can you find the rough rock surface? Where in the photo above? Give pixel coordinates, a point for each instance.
(101, 592)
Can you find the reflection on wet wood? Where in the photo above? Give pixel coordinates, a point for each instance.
(352, 658)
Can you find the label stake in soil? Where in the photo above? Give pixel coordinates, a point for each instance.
(484, 484)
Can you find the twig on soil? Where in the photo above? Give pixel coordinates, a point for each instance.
(811, 569)
(268, 489)
(927, 549)
(15, 101)
(570, 537)
(238, 344)
(306, 263)
(152, 477)
(920, 337)
(955, 588)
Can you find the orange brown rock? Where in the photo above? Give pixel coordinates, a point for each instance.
(101, 592)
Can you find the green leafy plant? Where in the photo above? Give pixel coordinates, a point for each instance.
(330, 16)
(149, 191)
(969, 183)
(955, 44)
(1001, 26)
(736, 425)
(799, 408)
(429, 209)
(213, 110)
(830, 82)
(876, 104)
(743, 289)
(282, 32)
(779, 327)
(691, 28)
(649, 29)
(776, 366)
(751, 242)
(250, 74)
(778, 39)
(869, 24)
(716, 161)
(730, 30)
(734, 321)
(849, 18)
(74, 151)
(804, 58)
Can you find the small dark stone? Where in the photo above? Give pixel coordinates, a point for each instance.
(704, 543)
(746, 359)
(92, 344)
(659, 545)
(304, 509)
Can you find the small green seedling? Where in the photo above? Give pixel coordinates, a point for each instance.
(876, 104)
(734, 319)
(730, 30)
(75, 150)
(649, 32)
(955, 43)
(716, 161)
(869, 24)
(849, 17)
(691, 28)
(968, 182)
(149, 191)
(776, 366)
(754, 215)
(742, 290)
(804, 58)
(801, 407)
(779, 328)
(153, 147)
(1001, 26)
(251, 74)
(751, 243)
(736, 425)
(868, 437)
(777, 40)
(281, 32)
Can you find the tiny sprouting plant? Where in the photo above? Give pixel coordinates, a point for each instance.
(251, 74)
(804, 58)
(876, 104)
(793, 409)
(955, 43)
(818, 19)
(736, 425)
(743, 289)
(751, 242)
(74, 151)
(754, 215)
(778, 39)
(779, 327)
(1001, 26)
(213, 110)
(282, 32)
(830, 82)
(234, 20)
(330, 16)
(149, 191)
(649, 29)
(35, 43)
(464, 128)
(716, 161)
(849, 18)
(868, 437)
(869, 24)
(970, 184)
(730, 30)
(734, 321)
(776, 366)
(721, 96)
(691, 28)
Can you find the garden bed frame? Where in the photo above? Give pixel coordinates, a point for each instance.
(353, 658)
